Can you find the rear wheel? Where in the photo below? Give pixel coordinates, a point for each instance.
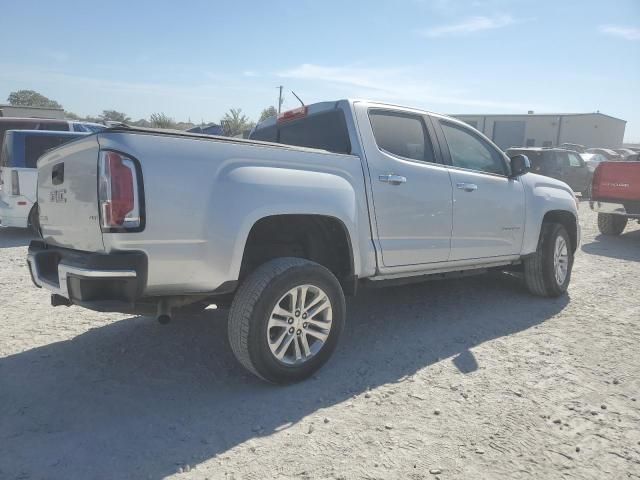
(547, 272)
(286, 318)
(610, 224)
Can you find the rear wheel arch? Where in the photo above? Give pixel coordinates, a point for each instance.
(323, 239)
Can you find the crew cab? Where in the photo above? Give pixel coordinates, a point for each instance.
(18, 173)
(616, 195)
(318, 202)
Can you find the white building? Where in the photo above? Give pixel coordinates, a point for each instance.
(549, 129)
(30, 112)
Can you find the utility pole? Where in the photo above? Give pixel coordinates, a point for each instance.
(280, 99)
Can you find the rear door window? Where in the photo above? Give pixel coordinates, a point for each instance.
(574, 160)
(401, 134)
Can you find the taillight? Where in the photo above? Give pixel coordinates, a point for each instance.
(294, 114)
(118, 192)
(15, 183)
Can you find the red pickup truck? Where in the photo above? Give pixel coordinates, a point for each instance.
(616, 195)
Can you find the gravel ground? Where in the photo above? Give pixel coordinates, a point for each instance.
(460, 379)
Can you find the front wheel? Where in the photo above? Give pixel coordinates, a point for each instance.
(548, 271)
(610, 224)
(286, 319)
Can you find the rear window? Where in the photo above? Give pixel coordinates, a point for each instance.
(55, 126)
(36, 146)
(4, 155)
(16, 125)
(325, 130)
(541, 161)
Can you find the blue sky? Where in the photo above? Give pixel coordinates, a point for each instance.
(196, 59)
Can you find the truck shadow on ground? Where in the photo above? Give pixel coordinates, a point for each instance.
(624, 247)
(136, 399)
(15, 237)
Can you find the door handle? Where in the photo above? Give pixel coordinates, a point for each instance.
(467, 187)
(392, 179)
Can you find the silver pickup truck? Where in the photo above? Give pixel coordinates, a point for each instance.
(282, 226)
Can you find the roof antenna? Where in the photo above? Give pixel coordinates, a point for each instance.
(294, 94)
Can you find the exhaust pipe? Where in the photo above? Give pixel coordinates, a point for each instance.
(164, 312)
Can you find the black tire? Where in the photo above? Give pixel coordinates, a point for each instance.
(588, 192)
(610, 224)
(33, 221)
(539, 269)
(253, 304)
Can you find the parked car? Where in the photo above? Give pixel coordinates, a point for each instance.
(592, 160)
(559, 163)
(627, 154)
(13, 123)
(18, 173)
(616, 195)
(574, 147)
(606, 152)
(354, 193)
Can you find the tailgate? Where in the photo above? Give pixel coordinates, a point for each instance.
(68, 196)
(617, 181)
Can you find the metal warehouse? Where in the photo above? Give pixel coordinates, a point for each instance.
(549, 129)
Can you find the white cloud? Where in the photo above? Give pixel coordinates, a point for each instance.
(405, 85)
(628, 33)
(470, 25)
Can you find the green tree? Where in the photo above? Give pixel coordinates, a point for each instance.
(31, 98)
(268, 112)
(71, 116)
(235, 122)
(114, 116)
(160, 120)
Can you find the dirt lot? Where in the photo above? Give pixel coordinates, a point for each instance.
(458, 379)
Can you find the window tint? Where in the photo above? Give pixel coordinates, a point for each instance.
(574, 161)
(325, 130)
(78, 127)
(4, 155)
(16, 125)
(402, 135)
(266, 134)
(36, 146)
(470, 151)
(57, 126)
(562, 159)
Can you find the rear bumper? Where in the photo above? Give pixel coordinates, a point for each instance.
(630, 210)
(103, 282)
(14, 215)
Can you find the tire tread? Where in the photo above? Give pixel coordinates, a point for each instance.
(244, 301)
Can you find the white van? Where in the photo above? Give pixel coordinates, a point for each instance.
(19, 174)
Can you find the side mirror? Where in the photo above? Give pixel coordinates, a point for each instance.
(519, 165)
